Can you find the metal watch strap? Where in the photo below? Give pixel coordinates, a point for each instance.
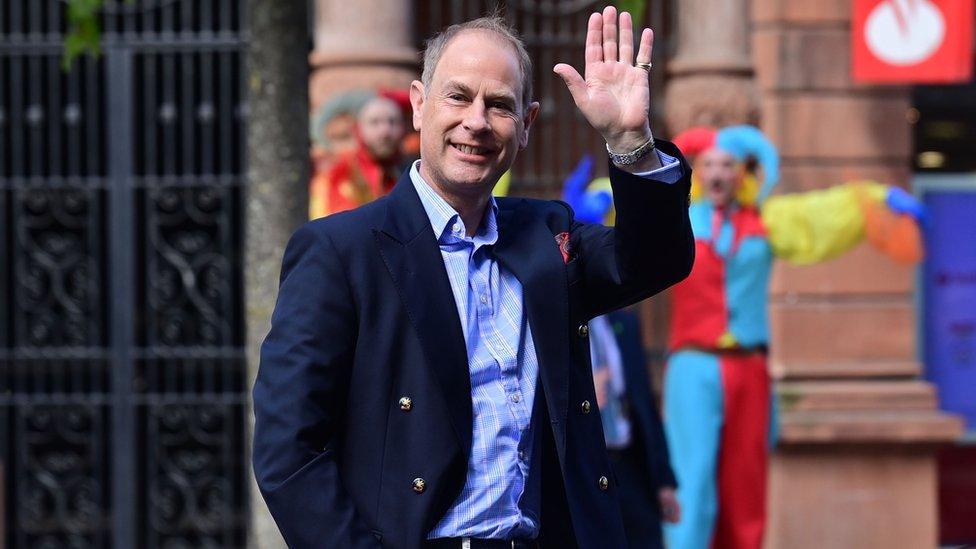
(633, 156)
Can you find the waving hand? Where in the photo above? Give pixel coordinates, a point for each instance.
(613, 94)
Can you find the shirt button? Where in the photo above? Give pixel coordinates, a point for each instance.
(585, 406)
(456, 228)
(419, 485)
(521, 455)
(603, 483)
(406, 404)
(516, 398)
(484, 299)
(584, 330)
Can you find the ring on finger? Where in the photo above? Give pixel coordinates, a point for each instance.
(645, 66)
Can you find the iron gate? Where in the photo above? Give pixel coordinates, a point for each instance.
(122, 373)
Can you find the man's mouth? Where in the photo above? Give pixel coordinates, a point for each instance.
(472, 149)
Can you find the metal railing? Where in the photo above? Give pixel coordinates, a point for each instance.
(122, 375)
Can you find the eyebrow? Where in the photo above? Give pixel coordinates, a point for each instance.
(454, 85)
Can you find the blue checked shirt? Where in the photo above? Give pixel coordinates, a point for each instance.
(497, 501)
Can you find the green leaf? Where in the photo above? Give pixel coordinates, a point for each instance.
(84, 34)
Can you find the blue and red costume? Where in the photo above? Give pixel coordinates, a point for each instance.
(718, 410)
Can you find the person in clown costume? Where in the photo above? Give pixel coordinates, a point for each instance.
(718, 411)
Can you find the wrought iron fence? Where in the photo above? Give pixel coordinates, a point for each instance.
(122, 375)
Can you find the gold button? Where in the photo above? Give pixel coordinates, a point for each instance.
(585, 406)
(584, 330)
(419, 485)
(603, 482)
(406, 404)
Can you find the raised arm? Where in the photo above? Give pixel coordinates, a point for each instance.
(805, 228)
(651, 246)
(614, 93)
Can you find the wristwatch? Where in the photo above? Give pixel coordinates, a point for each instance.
(633, 156)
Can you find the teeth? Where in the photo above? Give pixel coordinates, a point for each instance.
(469, 150)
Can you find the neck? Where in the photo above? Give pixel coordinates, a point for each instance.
(470, 207)
(724, 204)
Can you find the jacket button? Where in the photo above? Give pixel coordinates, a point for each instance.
(585, 406)
(419, 485)
(406, 404)
(584, 330)
(603, 483)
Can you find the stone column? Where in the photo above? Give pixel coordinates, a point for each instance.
(276, 201)
(361, 44)
(855, 465)
(710, 75)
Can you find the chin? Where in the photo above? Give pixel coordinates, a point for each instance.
(469, 176)
(719, 199)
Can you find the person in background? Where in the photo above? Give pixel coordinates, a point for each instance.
(332, 128)
(410, 144)
(628, 410)
(370, 170)
(718, 412)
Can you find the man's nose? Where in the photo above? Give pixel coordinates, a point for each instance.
(476, 118)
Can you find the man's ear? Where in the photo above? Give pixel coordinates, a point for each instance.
(527, 119)
(417, 97)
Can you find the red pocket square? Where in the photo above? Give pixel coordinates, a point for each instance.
(562, 240)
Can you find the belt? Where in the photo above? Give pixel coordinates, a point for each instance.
(476, 543)
(729, 351)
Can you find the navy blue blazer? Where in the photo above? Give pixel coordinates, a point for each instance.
(365, 316)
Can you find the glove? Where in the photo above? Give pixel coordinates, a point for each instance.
(899, 201)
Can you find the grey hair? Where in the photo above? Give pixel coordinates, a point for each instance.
(492, 23)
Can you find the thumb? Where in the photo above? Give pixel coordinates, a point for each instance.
(573, 80)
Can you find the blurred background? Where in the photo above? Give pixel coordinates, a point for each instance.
(147, 191)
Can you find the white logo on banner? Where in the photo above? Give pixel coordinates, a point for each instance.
(904, 32)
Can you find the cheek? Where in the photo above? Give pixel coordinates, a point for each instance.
(508, 131)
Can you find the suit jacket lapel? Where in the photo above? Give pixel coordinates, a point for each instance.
(527, 248)
(409, 249)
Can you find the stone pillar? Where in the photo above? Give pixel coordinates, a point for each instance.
(276, 200)
(710, 75)
(362, 44)
(709, 83)
(855, 465)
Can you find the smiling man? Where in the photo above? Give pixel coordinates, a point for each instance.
(426, 381)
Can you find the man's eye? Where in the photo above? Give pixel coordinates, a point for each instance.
(502, 106)
(456, 97)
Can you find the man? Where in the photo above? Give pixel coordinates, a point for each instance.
(370, 170)
(717, 412)
(426, 380)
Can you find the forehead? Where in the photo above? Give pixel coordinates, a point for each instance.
(378, 107)
(477, 57)
(715, 154)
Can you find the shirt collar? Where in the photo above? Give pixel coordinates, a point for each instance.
(447, 224)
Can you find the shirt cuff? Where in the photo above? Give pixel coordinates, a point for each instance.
(670, 171)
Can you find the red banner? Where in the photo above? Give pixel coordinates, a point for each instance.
(912, 41)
